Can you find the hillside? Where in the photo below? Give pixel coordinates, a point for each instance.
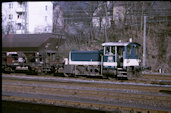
(158, 40)
(83, 34)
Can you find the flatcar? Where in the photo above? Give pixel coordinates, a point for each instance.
(116, 59)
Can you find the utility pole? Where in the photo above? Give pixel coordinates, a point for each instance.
(106, 38)
(144, 43)
(25, 15)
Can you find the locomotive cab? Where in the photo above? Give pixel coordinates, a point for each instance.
(109, 56)
(114, 60)
(131, 55)
(120, 54)
(113, 54)
(118, 57)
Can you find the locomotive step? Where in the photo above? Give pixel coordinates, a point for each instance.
(119, 68)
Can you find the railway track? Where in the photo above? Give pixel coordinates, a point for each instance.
(147, 78)
(84, 93)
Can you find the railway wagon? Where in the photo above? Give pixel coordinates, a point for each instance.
(32, 53)
(116, 59)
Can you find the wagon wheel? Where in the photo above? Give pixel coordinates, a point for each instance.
(69, 75)
(40, 71)
(66, 75)
(30, 71)
(8, 69)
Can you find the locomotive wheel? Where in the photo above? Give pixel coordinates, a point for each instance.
(40, 72)
(139, 72)
(105, 77)
(130, 73)
(133, 73)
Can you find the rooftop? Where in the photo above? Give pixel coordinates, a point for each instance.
(25, 40)
(115, 44)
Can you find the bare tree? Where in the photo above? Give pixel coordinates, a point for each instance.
(58, 20)
(7, 23)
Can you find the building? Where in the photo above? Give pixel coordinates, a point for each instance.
(102, 17)
(27, 17)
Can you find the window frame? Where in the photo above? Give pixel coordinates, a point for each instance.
(10, 16)
(46, 8)
(46, 18)
(10, 6)
(110, 50)
(128, 49)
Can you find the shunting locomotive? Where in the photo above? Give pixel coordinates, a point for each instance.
(116, 59)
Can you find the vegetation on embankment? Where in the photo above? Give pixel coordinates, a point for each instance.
(158, 40)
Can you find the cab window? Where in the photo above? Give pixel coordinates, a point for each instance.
(109, 50)
(14, 56)
(128, 49)
(113, 49)
(136, 49)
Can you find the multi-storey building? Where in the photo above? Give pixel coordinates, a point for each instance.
(27, 17)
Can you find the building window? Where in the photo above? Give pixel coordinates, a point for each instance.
(10, 16)
(45, 29)
(10, 5)
(22, 27)
(46, 8)
(45, 18)
(117, 15)
(19, 27)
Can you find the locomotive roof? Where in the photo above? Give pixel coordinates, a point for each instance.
(118, 43)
